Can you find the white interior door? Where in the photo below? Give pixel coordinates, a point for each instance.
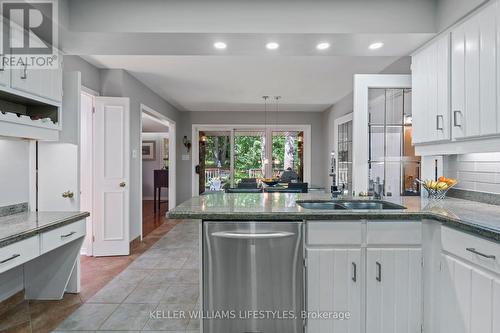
(111, 176)
(58, 174)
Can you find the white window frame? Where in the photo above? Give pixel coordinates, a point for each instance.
(197, 128)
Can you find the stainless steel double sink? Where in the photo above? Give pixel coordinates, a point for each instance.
(348, 204)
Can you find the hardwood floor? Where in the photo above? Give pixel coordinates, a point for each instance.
(151, 219)
(19, 315)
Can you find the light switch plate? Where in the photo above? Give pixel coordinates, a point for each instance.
(185, 157)
(134, 153)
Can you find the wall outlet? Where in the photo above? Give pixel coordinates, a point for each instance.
(134, 153)
(185, 157)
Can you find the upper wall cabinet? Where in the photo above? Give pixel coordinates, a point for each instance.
(431, 91)
(474, 74)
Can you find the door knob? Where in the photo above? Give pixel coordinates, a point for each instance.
(123, 184)
(68, 194)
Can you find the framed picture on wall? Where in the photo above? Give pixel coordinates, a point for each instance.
(149, 150)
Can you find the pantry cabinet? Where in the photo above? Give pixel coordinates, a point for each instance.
(45, 83)
(431, 92)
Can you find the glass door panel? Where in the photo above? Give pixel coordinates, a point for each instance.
(249, 154)
(215, 160)
(392, 158)
(287, 153)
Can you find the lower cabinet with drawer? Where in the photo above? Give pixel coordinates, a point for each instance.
(469, 283)
(18, 253)
(353, 263)
(58, 237)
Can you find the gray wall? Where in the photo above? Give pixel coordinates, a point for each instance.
(90, 73)
(450, 11)
(345, 106)
(184, 168)
(119, 83)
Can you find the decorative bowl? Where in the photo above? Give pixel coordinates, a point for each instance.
(434, 191)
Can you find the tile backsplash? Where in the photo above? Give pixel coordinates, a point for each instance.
(475, 172)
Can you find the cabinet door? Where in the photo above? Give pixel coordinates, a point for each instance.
(334, 284)
(431, 91)
(474, 75)
(470, 298)
(4, 76)
(394, 291)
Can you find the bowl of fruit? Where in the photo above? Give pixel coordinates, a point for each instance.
(437, 189)
(270, 181)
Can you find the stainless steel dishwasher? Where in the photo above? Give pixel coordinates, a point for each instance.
(253, 277)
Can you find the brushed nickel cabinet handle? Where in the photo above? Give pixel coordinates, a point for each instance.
(24, 75)
(14, 256)
(473, 250)
(439, 122)
(379, 271)
(354, 272)
(67, 235)
(123, 184)
(456, 123)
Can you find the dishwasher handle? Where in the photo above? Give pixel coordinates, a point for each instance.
(244, 235)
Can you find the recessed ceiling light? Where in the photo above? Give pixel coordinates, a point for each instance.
(376, 45)
(323, 46)
(220, 45)
(272, 46)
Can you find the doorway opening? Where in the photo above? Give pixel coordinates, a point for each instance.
(157, 168)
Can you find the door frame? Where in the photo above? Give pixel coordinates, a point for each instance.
(88, 245)
(197, 128)
(172, 158)
(360, 154)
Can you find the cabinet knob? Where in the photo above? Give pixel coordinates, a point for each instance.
(123, 184)
(68, 194)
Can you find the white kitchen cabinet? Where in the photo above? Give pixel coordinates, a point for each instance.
(431, 91)
(474, 75)
(4, 76)
(45, 83)
(470, 298)
(334, 284)
(393, 290)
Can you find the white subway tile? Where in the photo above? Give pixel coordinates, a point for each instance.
(466, 166)
(488, 166)
(490, 188)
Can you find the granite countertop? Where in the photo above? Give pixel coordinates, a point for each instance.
(16, 227)
(470, 216)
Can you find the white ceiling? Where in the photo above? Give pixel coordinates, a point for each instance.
(236, 83)
(168, 45)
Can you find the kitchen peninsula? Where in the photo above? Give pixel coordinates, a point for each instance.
(406, 265)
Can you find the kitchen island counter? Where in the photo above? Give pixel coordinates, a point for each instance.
(470, 216)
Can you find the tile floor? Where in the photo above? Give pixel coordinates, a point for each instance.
(19, 315)
(164, 278)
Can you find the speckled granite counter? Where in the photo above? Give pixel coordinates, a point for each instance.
(16, 227)
(470, 216)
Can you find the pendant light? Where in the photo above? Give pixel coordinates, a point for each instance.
(265, 98)
(276, 102)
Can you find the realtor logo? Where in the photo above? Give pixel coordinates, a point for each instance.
(29, 32)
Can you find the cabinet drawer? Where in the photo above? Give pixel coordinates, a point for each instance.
(334, 233)
(464, 245)
(18, 253)
(60, 236)
(394, 233)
